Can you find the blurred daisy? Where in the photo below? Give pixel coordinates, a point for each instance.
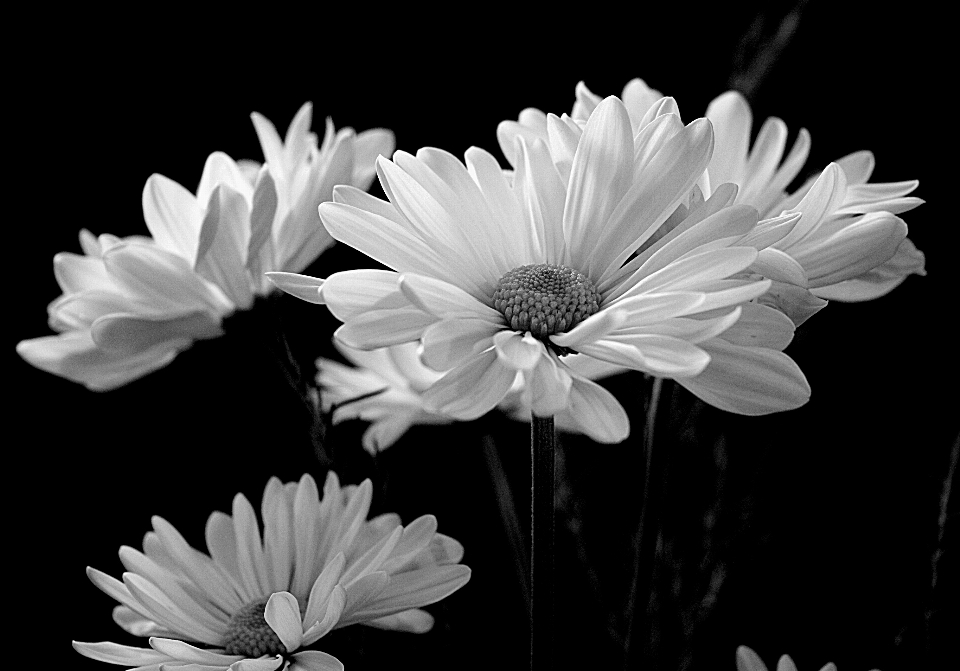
(850, 245)
(129, 305)
(748, 660)
(384, 387)
(257, 601)
(501, 276)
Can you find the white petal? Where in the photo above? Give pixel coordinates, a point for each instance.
(761, 326)
(443, 299)
(221, 169)
(75, 356)
(129, 334)
(450, 342)
(114, 653)
(304, 287)
(351, 293)
(413, 621)
(161, 279)
(473, 388)
(521, 352)
(549, 387)
(749, 380)
(383, 328)
(221, 255)
(601, 173)
(173, 216)
(80, 273)
(597, 412)
(314, 660)
(732, 120)
(184, 652)
(282, 613)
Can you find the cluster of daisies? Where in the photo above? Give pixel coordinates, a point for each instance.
(616, 238)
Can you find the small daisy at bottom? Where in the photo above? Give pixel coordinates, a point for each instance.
(257, 601)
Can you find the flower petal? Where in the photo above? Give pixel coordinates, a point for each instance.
(304, 287)
(173, 216)
(749, 380)
(282, 613)
(315, 660)
(597, 412)
(472, 389)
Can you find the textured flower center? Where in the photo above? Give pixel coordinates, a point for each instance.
(545, 299)
(248, 633)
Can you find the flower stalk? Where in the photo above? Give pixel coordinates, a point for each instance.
(542, 515)
(645, 541)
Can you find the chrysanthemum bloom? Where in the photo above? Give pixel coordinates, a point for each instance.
(257, 601)
(748, 660)
(498, 276)
(129, 305)
(850, 245)
(384, 387)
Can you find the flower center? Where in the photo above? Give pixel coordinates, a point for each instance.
(545, 299)
(248, 633)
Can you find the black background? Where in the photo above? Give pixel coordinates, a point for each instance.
(824, 520)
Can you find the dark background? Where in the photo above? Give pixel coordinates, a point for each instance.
(809, 533)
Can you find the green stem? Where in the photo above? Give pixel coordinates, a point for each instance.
(542, 514)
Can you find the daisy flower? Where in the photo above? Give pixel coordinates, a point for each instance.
(850, 245)
(748, 660)
(258, 600)
(130, 305)
(384, 387)
(499, 276)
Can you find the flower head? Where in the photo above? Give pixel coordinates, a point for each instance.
(258, 600)
(129, 305)
(499, 276)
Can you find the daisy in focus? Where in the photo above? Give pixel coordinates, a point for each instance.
(257, 601)
(748, 660)
(129, 305)
(499, 276)
(849, 245)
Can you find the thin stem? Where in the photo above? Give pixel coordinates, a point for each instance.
(645, 540)
(508, 514)
(542, 514)
(941, 525)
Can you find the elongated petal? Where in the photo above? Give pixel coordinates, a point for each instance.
(304, 287)
(749, 380)
(597, 412)
(173, 216)
(414, 621)
(450, 342)
(114, 653)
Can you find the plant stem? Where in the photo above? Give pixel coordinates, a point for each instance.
(542, 514)
(508, 513)
(645, 541)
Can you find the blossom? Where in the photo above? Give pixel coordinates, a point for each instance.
(129, 305)
(850, 245)
(258, 600)
(501, 276)
(384, 387)
(748, 660)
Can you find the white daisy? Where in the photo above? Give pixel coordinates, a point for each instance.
(258, 600)
(849, 246)
(129, 305)
(499, 276)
